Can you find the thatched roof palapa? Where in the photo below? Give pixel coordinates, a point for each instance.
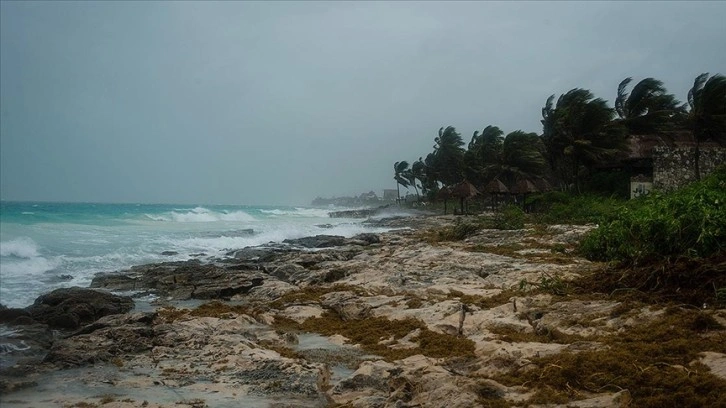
(524, 186)
(464, 190)
(542, 184)
(496, 187)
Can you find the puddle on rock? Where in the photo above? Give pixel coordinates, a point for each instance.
(342, 360)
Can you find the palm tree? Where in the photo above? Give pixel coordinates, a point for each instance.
(484, 151)
(418, 172)
(399, 170)
(448, 156)
(522, 157)
(647, 108)
(579, 134)
(707, 117)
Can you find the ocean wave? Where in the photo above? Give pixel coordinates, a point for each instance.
(299, 212)
(22, 247)
(29, 267)
(201, 214)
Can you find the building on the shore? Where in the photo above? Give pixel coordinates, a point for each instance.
(668, 160)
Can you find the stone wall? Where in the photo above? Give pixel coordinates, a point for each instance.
(676, 167)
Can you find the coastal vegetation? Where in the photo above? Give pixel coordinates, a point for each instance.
(581, 144)
(686, 223)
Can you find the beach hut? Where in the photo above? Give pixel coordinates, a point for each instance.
(542, 184)
(496, 188)
(464, 191)
(444, 194)
(524, 187)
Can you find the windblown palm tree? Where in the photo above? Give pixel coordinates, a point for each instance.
(707, 117)
(648, 107)
(418, 172)
(579, 134)
(522, 157)
(448, 156)
(483, 153)
(399, 170)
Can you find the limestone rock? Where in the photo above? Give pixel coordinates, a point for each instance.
(69, 308)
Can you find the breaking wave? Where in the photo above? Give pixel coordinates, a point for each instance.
(298, 212)
(22, 247)
(201, 214)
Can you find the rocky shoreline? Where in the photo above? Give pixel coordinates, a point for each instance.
(399, 319)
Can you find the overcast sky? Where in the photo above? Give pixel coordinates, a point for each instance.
(277, 103)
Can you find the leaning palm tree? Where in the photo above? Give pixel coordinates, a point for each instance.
(522, 157)
(707, 117)
(399, 170)
(579, 134)
(418, 172)
(647, 108)
(448, 156)
(484, 150)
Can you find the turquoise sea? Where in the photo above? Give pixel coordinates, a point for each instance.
(45, 245)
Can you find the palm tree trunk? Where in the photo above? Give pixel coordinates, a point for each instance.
(398, 193)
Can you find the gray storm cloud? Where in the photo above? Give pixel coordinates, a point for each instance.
(276, 103)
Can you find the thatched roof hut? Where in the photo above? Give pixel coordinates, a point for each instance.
(524, 186)
(496, 187)
(464, 191)
(542, 184)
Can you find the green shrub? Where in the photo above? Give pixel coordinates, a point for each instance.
(557, 207)
(459, 231)
(509, 217)
(690, 222)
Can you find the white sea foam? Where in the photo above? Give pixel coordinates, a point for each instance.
(29, 267)
(201, 214)
(39, 257)
(22, 247)
(299, 212)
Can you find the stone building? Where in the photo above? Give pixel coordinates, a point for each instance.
(667, 161)
(674, 167)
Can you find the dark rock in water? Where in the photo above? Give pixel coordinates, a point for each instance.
(318, 241)
(368, 238)
(14, 316)
(170, 253)
(198, 255)
(109, 337)
(65, 277)
(189, 280)
(327, 241)
(28, 340)
(22, 350)
(259, 254)
(69, 308)
(326, 226)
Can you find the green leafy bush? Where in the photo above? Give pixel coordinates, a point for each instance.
(557, 207)
(509, 217)
(690, 222)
